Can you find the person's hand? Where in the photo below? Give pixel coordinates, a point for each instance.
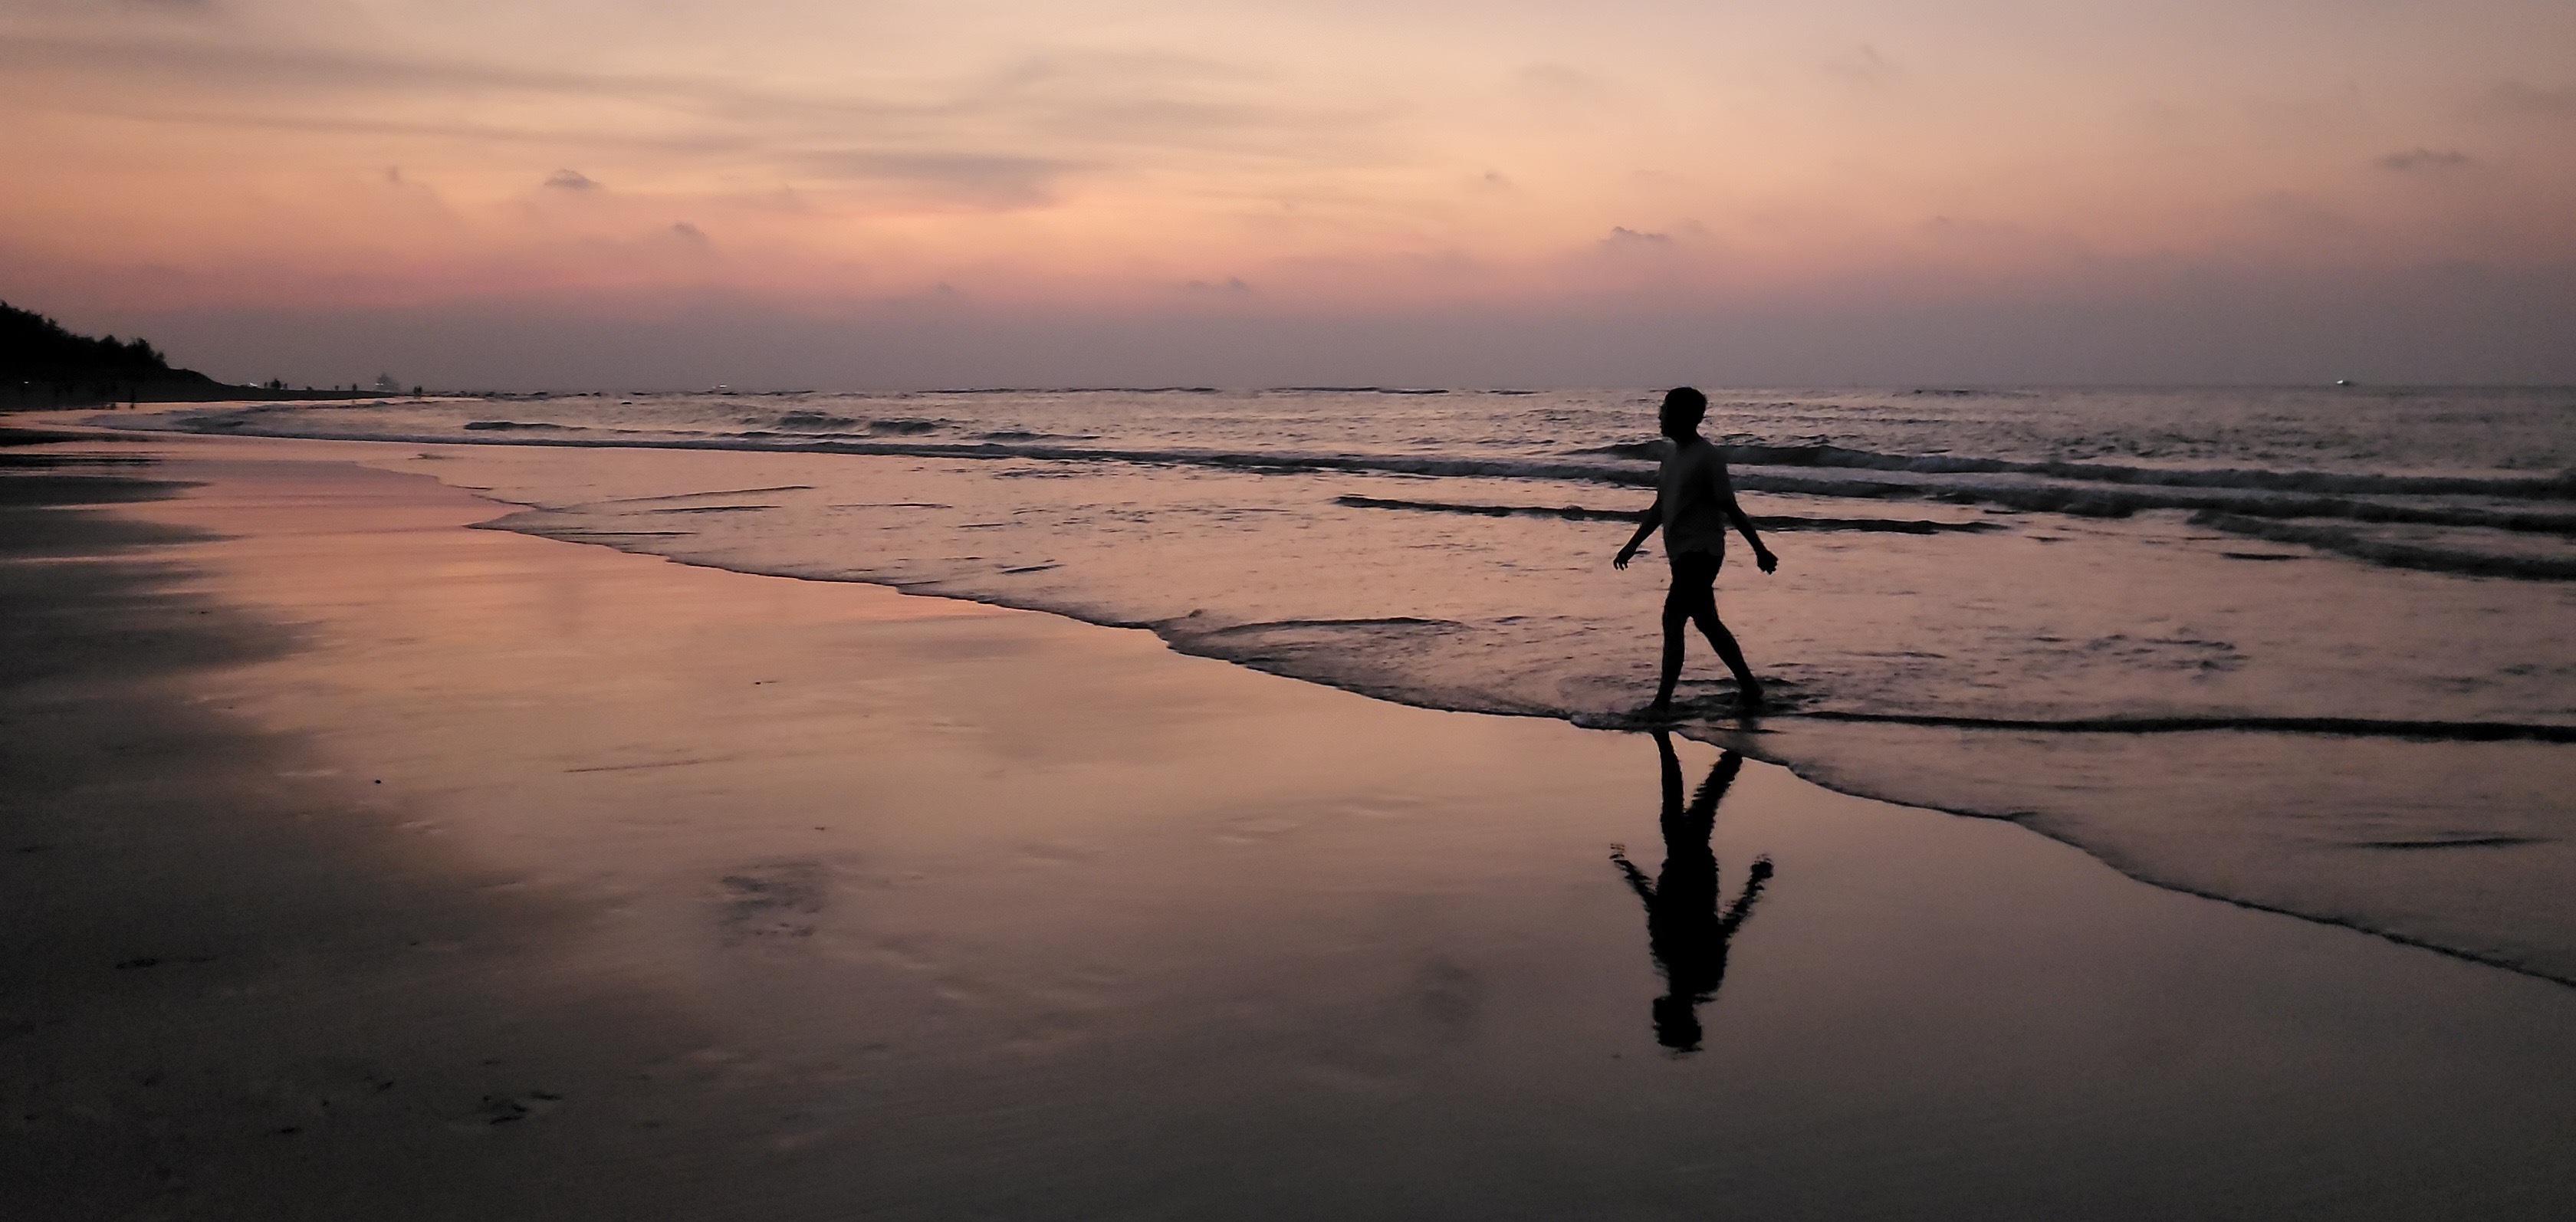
(1621, 560)
(1768, 561)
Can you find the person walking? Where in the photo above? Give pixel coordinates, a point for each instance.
(1694, 505)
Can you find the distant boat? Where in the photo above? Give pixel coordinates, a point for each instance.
(2343, 381)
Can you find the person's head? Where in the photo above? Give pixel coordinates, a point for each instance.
(1681, 413)
(1677, 1023)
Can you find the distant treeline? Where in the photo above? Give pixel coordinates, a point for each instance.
(34, 348)
(43, 364)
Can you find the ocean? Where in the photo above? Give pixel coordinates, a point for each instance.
(2302, 649)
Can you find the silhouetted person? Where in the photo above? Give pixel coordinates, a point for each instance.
(1684, 929)
(1694, 503)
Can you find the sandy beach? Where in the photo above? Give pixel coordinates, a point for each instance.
(360, 863)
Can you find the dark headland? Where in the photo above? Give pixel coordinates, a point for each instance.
(44, 365)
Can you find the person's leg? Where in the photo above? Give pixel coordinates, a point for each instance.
(1676, 623)
(1733, 656)
(1702, 606)
(1691, 596)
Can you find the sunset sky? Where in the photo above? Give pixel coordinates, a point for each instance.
(788, 192)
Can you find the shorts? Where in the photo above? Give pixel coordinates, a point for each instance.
(1696, 568)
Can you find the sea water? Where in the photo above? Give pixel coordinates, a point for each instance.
(2305, 649)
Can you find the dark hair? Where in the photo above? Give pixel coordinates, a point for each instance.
(1688, 403)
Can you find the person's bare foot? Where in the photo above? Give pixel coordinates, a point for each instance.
(1750, 696)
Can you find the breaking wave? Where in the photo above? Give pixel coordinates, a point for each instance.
(2396, 555)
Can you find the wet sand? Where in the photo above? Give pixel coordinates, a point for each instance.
(361, 864)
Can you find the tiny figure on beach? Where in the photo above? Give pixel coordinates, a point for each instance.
(1685, 931)
(1694, 504)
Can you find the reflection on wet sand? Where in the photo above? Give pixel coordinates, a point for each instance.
(687, 893)
(1684, 929)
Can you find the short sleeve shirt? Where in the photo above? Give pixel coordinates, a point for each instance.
(1689, 495)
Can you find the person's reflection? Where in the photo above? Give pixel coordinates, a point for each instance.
(1684, 929)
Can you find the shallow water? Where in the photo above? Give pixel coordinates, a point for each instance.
(2316, 599)
(672, 891)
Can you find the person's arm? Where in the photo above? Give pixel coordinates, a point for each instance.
(1743, 905)
(1646, 524)
(1743, 523)
(1637, 880)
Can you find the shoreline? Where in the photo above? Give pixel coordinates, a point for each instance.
(93, 396)
(2338, 880)
(1245, 918)
(2155, 810)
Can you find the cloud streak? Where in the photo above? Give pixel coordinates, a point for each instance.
(2423, 160)
(1106, 102)
(982, 180)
